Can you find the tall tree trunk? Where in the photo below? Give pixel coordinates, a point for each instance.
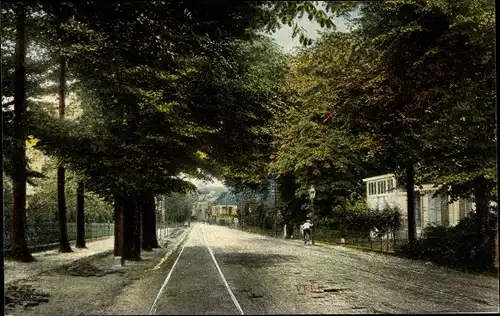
(148, 211)
(119, 235)
(481, 197)
(20, 250)
(138, 232)
(61, 198)
(154, 237)
(146, 224)
(80, 216)
(410, 193)
(132, 230)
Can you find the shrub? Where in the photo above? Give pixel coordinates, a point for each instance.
(356, 218)
(221, 222)
(454, 246)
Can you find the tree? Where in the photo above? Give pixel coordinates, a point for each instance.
(20, 250)
(64, 243)
(308, 151)
(417, 72)
(461, 158)
(139, 102)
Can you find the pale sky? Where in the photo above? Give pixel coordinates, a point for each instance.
(199, 183)
(284, 35)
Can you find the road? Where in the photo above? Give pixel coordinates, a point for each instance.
(252, 274)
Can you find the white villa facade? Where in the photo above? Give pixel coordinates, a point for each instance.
(384, 190)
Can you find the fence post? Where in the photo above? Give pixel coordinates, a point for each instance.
(387, 245)
(394, 239)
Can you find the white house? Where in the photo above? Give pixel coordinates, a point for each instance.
(384, 190)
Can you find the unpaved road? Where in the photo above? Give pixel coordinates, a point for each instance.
(269, 276)
(252, 274)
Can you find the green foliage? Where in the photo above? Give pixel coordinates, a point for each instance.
(168, 88)
(42, 204)
(455, 246)
(179, 206)
(327, 155)
(248, 144)
(36, 73)
(286, 12)
(223, 222)
(419, 76)
(168, 103)
(355, 218)
(255, 210)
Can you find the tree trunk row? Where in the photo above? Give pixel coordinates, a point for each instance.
(135, 226)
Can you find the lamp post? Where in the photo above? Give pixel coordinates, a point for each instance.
(312, 194)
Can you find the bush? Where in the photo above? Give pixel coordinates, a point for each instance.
(221, 222)
(355, 218)
(456, 246)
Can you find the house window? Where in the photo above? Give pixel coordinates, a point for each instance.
(381, 187)
(371, 188)
(418, 209)
(390, 184)
(432, 219)
(461, 209)
(464, 207)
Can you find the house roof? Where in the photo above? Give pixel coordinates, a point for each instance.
(384, 176)
(226, 198)
(208, 197)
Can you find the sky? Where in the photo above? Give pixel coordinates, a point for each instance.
(284, 35)
(214, 183)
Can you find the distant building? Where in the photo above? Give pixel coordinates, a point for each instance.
(202, 209)
(225, 208)
(436, 211)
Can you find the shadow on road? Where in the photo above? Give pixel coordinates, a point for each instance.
(254, 260)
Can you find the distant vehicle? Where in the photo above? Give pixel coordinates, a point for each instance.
(186, 224)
